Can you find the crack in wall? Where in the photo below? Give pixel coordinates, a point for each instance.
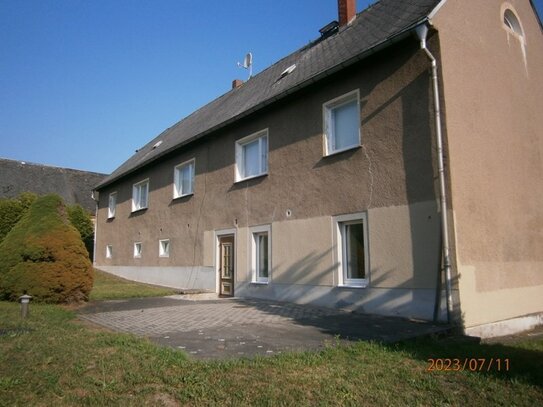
(370, 172)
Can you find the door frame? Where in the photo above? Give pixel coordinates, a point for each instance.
(217, 253)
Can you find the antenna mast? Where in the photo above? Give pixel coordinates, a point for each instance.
(247, 64)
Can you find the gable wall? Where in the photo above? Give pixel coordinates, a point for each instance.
(494, 92)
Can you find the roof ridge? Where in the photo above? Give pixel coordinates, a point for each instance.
(23, 162)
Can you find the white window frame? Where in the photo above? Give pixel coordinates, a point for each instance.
(254, 232)
(177, 185)
(327, 115)
(136, 195)
(111, 209)
(138, 249)
(109, 251)
(162, 252)
(341, 253)
(263, 142)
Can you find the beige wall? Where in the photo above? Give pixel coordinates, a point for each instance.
(494, 92)
(391, 177)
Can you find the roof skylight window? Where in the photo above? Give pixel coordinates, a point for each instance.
(287, 71)
(157, 144)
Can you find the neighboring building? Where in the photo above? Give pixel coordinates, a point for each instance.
(318, 180)
(74, 186)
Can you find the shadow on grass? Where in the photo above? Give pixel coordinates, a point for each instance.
(504, 362)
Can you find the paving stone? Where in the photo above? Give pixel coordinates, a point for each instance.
(245, 327)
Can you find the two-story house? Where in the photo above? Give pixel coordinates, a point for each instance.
(392, 166)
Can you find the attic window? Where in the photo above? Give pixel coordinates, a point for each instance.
(287, 71)
(157, 144)
(512, 22)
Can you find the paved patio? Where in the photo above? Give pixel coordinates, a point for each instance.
(222, 328)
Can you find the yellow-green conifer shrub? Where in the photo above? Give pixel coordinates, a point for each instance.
(44, 256)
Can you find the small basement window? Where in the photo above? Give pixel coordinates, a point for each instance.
(137, 250)
(164, 248)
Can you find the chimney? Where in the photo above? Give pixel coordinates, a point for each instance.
(236, 83)
(346, 11)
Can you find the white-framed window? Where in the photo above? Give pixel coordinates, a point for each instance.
(183, 177)
(341, 123)
(140, 195)
(164, 247)
(137, 249)
(252, 156)
(260, 254)
(109, 251)
(112, 204)
(352, 249)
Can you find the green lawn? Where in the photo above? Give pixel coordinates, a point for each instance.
(51, 359)
(110, 287)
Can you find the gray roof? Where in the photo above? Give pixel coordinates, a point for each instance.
(74, 186)
(373, 29)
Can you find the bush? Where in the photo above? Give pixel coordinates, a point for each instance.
(11, 210)
(44, 256)
(81, 220)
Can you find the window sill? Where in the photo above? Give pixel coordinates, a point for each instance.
(260, 282)
(264, 174)
(139, 210)
(164, 256)
(183, 196)
(356, 286)
(335, 152)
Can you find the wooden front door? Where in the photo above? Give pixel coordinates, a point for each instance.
(226, 266)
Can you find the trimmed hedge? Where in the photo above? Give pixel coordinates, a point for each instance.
(44, 256)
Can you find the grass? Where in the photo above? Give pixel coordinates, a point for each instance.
(110, 287)
(52, 359)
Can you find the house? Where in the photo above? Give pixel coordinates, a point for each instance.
(392, 166)
(74, 186)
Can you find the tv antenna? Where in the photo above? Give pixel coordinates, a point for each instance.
(247, 64)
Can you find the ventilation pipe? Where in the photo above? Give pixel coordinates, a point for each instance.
(422, 32)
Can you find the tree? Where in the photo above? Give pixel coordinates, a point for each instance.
(44, 256)
(81, 220)
(11, 210)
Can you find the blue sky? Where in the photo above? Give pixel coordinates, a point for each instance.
(85, 83)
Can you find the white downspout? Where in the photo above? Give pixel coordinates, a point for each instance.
(95, 199)
(422, 32)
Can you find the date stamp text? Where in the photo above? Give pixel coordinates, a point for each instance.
(469, 364)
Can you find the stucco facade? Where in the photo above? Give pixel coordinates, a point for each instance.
(390, 177)
(490, 87)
